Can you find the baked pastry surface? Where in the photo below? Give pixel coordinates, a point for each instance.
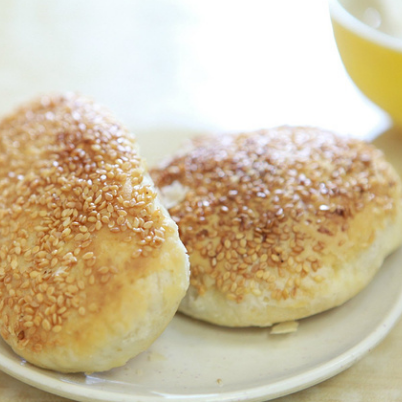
(91, 265)
(280, 224)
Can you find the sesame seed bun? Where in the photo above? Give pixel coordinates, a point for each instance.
(91, 265)
(280, 224)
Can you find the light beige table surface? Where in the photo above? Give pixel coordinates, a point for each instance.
(179, 67)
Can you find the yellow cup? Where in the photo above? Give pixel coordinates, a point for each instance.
(372, 58)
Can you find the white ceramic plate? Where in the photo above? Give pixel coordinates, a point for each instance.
(193, 361)
(197, 362)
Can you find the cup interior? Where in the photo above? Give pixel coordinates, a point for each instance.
(379, 21)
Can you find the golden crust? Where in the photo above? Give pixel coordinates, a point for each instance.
(81, 228)
(277, 220)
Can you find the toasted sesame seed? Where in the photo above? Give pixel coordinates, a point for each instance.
(57, 328)
(61, 310)
(88, 256)
(274, 257)
(46, 325)
(103, 270)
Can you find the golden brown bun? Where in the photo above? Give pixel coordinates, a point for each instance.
(91, 265)
(280, 224)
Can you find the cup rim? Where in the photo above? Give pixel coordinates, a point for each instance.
(341, 15)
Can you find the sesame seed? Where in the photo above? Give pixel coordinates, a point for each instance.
(46, 325)
(57, 328)
(88, 256)
(103, 270)
(60, 300)
(274, 257)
